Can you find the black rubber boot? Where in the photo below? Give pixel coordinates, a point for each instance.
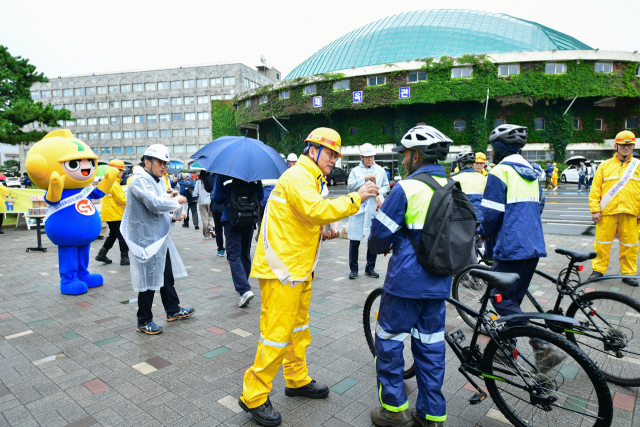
(124, 258)
(102, 256)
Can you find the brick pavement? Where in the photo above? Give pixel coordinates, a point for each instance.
(78, 361)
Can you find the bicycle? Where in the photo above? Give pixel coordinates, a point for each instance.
(607, 324)
(528, 386)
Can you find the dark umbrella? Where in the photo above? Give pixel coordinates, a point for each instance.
(174, 171)
(575, 160)
(240, 157)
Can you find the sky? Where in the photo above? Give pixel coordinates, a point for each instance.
(68, 37)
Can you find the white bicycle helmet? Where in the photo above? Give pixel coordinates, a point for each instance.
(465, 157)
(426, 140)
(510, 134)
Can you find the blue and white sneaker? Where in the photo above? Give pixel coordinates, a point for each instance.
(149, 328)
(181, 314)
(221, 253)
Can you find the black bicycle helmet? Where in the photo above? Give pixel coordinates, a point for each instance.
(510, 134)
(465, 157)
(429, 142)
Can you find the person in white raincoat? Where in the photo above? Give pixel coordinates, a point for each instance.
(360, 223)
(146, 226)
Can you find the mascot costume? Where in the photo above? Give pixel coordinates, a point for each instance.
(64, 167)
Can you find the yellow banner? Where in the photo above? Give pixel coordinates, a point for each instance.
(18, 200)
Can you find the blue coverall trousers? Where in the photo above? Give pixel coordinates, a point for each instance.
(512, 297)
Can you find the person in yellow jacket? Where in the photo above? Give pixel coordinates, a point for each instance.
(554, 177)
(479, 165)
(614, 202)
(113, 205)
(286, 256)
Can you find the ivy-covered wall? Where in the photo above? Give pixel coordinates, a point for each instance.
(223, 120)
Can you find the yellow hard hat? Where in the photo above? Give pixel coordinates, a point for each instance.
(48, 154)
(327, 138)
(555, 164)
(481, 158)
(625, 137)
(119, 164)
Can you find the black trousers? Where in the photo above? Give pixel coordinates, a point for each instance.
(354, 245)
(193, 208)
(168, 293)
(217, 220)
(114, 233)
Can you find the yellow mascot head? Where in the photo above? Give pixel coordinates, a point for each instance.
(60, 151)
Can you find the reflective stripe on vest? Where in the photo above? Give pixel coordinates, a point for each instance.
(419, 197)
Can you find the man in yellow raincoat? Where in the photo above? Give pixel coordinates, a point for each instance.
(113, 205)
(614, 202)
(286, 256)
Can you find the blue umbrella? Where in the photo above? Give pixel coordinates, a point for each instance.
(240, 157)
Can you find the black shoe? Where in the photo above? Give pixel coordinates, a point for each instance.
(313, 390)
(197, 228)
(595, 275)
(185, 225)
(631, 282)
(1, 231)
(371, 274)
(124, 258)
(263, 415)
(353, 275)
(102, 256)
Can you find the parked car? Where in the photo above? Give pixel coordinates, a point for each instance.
(12, 182)
(571, 173)
(336, 176)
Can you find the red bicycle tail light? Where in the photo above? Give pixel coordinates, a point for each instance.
(580, 267)
(497, 297)
(515, 353)
(593, 313)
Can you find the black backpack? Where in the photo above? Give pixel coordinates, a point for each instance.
(244, 206)
(449, 229)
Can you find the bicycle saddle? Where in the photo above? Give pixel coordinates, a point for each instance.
(495, 279)
(576, 256)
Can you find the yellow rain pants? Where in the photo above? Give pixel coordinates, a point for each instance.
(284, 338)
(625, 226)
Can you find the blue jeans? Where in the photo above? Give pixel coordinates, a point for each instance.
(581, 182)
(239, 255)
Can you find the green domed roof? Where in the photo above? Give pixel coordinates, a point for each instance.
(434, 33)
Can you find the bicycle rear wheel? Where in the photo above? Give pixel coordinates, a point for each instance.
(566, 386)
(618, 317)
(370, 322)
(469, 291)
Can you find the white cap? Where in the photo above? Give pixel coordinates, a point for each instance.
(282, 155)
(292, 158)
(367, 150)
(157, 151)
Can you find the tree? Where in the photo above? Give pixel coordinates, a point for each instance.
(17, 109)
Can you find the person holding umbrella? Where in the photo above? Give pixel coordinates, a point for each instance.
(286, 256)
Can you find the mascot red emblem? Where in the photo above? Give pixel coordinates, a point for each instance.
(85, 207)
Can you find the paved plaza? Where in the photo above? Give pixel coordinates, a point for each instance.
(78, 360)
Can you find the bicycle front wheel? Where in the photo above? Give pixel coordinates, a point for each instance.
(613, 345)
(370, 322)
(469, 291)
(551, 381)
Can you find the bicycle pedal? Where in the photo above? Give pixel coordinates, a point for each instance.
(458, 336)
(477, 398)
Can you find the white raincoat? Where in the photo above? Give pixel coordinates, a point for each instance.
(360, 223)
(147, 221)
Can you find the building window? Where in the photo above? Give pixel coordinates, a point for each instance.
(91, 105)
(113, 89)
(203, 131)
(163, 101)
(309, 89)
(341, 84)
(127, 119)
(93, 135)
(498, 122)
(138, 103)
(229, 81)
(263, 99)
(216, 97)
(215, 81)
(201, 83)
(164, 133)
(604, 67)
(555, 68)
(90, 91)
(66, 92)
(78, 91)
(189, 116)
(140, 134)
(138, 119)
(631, 123)
(80, 136)
(176, 117)
(149, 86)
(69, 123)
(176, 132)
(538, 124)
(55, 93)
(459, 125)
(140, 149)
(127, 135)
(105, 150)
(95, 150)
(204, 99)
(79, 107)
(176, 101)
(189, 132)
(189, 100)
(152, 134)
(353, 131)
(192, 148)
(80, 122)
(176, 84)
(152, 118)
(137, 87)
(576, 123)
(386, 130)
(178, 148)
(417, 76)
(285, 94)
(125, 104)
(460, 72)
(116, 135)
(114, 104)
(508, 69)
(102, 90)
(599, 124)
(117, 150)
(637, 74)
(103, 120)
(247, 103)
(57, 107)
(92, 121)
(115, 120)
(188, 84)
(128, 150)
(203, 116)
(163, 118)
(102, 105)
(46, 93)
(228, 97)
(151, 102)
(163, 85)
(376, 80)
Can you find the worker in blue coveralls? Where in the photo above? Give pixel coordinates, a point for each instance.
(413, 301)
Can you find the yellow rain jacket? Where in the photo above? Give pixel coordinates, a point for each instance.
(113, 203)
(607, 175)
(296, 211)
